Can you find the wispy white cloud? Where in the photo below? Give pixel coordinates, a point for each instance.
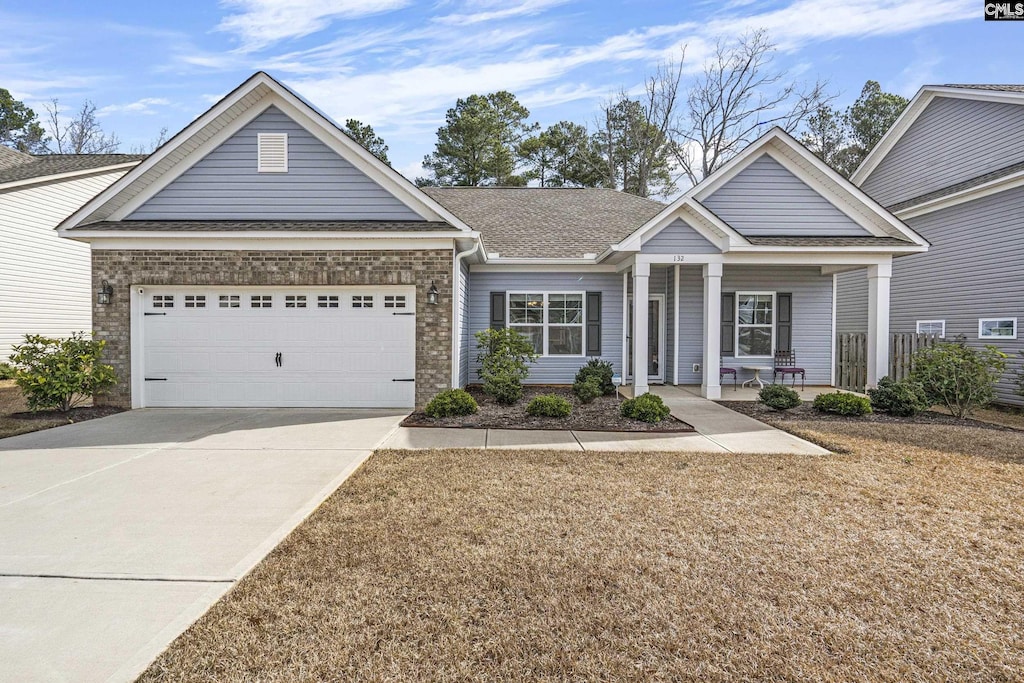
(492, 10)
(261, 23)
(145, 106)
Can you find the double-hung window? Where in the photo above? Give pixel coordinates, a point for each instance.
(755, 324)
(552, 321)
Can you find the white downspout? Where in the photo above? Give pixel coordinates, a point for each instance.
(457, 312)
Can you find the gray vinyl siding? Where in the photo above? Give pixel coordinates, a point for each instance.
(953, 140)
(465, 347)
(812, 318)
(765, 199)
(679, 238)
(551, 369)
(852, 301)
(319, 184)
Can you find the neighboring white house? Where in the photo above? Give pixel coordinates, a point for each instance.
(44, 280)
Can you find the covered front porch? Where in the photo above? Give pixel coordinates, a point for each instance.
(705, 312)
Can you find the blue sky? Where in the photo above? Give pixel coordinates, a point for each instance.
(399, 64)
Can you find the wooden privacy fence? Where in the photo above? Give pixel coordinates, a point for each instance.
(852, 357)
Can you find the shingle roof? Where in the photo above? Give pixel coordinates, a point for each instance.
(54, 164)
(525, 222)
(827, 241)
(12, 157)
(1008, 87)
(259, 226)
(959, 187)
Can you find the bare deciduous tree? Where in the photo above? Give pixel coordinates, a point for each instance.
(156, 142)
(738, 97)
(81, 134)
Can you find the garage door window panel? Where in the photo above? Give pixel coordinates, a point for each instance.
(261, 301)
(195, 301)
(229, 301)
(163, 301)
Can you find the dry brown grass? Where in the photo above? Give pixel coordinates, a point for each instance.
(893, 563)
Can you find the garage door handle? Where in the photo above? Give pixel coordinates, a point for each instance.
(277, 359)
(404, 380)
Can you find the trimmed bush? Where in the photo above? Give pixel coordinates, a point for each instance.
(646, 408)
(7, 371)
(549, 405)
(587, 390)
(842, 404)
(600, 370)
(778, 397)
(958, 377)
(503, 357)
(451, 403)
(60, 373)
(904, 398)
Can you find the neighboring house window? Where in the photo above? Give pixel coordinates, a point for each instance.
(997, 328)
(272, 153)
(552, 321)
(755, 324)
(937, 327)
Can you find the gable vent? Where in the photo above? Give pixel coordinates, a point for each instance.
(272, 153)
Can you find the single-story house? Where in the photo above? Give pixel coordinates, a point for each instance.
(263, 258)
(952, 168)
(44, 280)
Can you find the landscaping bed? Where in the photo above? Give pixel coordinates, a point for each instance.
(601, 415)
(16, 419)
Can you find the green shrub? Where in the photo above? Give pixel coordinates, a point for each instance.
(549, 405)
(958, 377)
(904, 398)
(646, 408)
(503, 356)
(7, 371)
(588, 389)
(60, 373)
(842, 404)
(600, 370)
(778, 397)
(450, 403)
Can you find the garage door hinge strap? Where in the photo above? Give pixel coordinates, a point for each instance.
(397, 313)
(156, 379)
(150, 313)
(403, 380)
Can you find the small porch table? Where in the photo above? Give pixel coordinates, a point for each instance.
(757, 374)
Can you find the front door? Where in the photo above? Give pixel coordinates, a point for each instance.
(655, 338)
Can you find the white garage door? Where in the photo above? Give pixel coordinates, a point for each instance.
(300, 347)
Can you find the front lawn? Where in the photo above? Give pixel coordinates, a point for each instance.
(899, 560)
(14, 418)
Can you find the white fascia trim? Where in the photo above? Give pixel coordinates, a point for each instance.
(264, 235)
(706, 224)
(492, 267)
(887, 249)
(40, 180)
(268, 243)
(1009, 182)
(917, 105)
(549, 262)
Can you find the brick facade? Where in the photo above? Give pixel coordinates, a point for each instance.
(125, 267)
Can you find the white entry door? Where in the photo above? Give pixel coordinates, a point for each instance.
(291, 347)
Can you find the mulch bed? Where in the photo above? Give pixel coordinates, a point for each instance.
(601, 415)
(74, 415)
(805, 413)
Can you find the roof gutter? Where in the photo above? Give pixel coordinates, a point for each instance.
(457, 311)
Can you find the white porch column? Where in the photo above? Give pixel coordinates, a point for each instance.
(878, 321)
(641, 275)
(711, 385)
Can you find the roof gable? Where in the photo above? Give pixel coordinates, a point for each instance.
(767, 199)
(319, 183)
(217, 125)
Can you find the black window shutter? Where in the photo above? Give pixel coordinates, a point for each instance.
(728, 324)
(497, 310)
(593, 323)
(784, 322)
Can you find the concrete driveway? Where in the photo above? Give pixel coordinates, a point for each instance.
(116, 534)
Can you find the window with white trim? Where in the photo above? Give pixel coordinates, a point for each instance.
(755, 324)
(261, 301)
(362, 301)
(295, 301)
(936, 327)
(163, 301)
(195, 301)
(272, 153)
(552, 321)
(997, 328)
(229, 301)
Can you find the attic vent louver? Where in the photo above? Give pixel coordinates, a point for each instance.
(272, 153)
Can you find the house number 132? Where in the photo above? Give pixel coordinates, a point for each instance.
(678, 257)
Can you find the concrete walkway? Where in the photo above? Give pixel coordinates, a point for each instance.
(117, 533)
(718, 430)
